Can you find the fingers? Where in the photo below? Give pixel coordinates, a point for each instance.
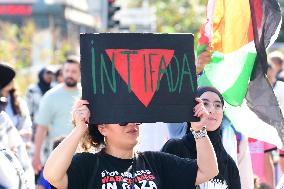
(82, 108)
(38, 169)
(37, 166)
(203, 113)
(84, 114)
(79, 103)
(199, 109)
(209, 48)
(205, 57)
(81, 113)
(199, 112)
(199, 100)
(198, 105)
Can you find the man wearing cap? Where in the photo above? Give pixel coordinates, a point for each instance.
(54, 115)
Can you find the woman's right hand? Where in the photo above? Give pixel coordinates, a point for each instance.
(81, 114)
(56, 166)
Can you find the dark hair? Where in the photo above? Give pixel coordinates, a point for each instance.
(7, 74)
(57, 141)
(16, 102)
(264, 186)
(277, 60)
(41, 73)
(58, 72)
(93, 138)
(201, 90)
(44, 71)
(73, 59)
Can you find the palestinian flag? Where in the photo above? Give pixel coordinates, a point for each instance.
(239, 33)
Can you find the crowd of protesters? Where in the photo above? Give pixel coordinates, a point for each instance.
(31, 126)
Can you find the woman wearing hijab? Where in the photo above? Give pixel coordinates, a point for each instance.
(228, 177)
(36, 91)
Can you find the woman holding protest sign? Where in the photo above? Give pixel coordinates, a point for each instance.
(117, 165)
(228, 176)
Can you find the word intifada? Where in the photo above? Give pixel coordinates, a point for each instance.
(141, 69)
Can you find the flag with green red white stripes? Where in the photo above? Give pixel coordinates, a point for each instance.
(239, 33)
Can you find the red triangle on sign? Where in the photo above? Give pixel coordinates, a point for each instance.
(140, 63)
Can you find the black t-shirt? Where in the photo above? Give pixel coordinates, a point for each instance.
(228, 177)
(148, 170)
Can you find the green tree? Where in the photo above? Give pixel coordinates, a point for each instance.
(174, 16)
(15, 43)
(179, 16)
(64, 49)
(8, 38)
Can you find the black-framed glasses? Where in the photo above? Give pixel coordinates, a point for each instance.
(126, 123)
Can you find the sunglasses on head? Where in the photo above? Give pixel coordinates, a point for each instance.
(124, 124)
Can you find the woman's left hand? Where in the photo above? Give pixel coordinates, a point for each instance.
(81, 114)
(201, 112)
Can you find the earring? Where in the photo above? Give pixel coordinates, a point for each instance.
(105, 142)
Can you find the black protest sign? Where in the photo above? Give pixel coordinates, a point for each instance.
(135, 77)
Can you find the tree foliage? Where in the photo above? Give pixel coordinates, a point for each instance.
(179, 16)
(176, 16)
(15, 43)
(16, 46)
